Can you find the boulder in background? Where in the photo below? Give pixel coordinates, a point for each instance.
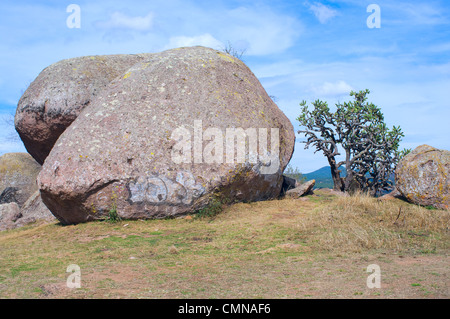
(423, 177)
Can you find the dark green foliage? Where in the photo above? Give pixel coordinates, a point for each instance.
(113, 216)
(214, 207)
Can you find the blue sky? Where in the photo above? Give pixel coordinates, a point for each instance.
(299, 50)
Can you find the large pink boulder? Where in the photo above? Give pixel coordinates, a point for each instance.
(159, 142)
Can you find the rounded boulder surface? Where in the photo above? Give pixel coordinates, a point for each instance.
(59, 93)
(423, 177)
(158, 142)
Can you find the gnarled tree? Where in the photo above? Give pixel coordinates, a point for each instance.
(369, 147)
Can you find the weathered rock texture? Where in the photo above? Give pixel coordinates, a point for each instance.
(119, 152)
(18, 172)
(423, 177)
(34, 210)
(60, 92)
(9, 214)
(9, 195)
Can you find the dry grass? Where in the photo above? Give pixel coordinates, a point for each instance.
(357, 223)
(317, 247)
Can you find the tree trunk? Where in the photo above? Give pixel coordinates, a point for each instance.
(336, 175)
(348, 180)
(349, 177)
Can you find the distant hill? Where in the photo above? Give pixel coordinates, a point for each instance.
(323, 177)
(324, 180)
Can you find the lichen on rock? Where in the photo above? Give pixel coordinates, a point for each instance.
(121, 145)
(423, 177)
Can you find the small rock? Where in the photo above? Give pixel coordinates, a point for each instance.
(173, 249)
(301, 190)
(392, 195)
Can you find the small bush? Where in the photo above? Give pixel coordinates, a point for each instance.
(214, 207)
(113, 216)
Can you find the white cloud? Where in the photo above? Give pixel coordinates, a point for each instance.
(329, 89)
(260, 31)
(410, 94)
(322, 12)
(257, 30)
(414, 13)
(440, 48)
(277, 69)
(119, 20)
(206, 40)
(423, 13)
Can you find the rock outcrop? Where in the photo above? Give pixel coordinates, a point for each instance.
(59, 93)
(423, 177)
(159, 141)
(18, 172)
(34, 210)
(9, 214)
(20, 201)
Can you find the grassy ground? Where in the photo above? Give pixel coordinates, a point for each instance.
(318, 247)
